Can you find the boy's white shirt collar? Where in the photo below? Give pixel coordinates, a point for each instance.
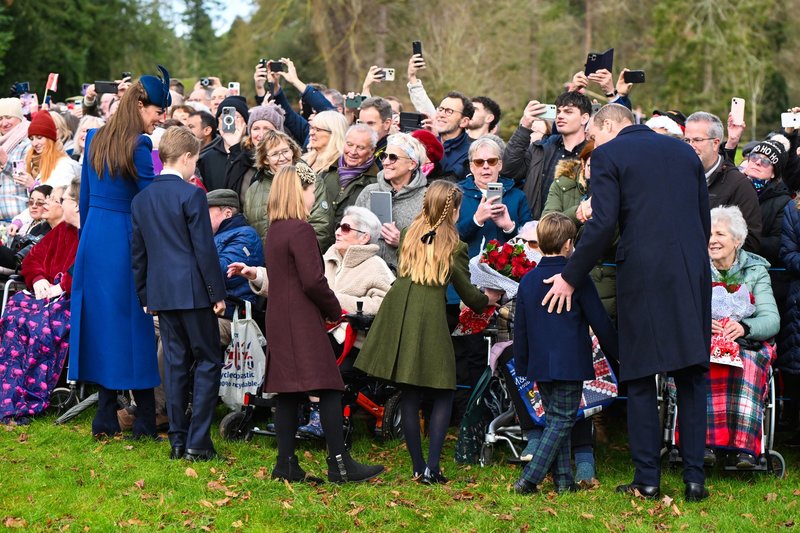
(167, 170)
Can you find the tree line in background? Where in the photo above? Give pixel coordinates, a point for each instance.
(697, 53)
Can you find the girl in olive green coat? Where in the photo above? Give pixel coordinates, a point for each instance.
(409, 342)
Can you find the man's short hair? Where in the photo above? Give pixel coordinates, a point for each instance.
(177, 86)
(175, 142)
(468, 110)
(492, 107)
(715, 128)
(575, 99)
(615, 113)
(206, 120)
(383, 107)
(396, 100)
(553, 231)
(185, 108)
(334, 97)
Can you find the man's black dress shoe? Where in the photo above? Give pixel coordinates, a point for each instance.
(201, 455)
(523, 486)
(177, 452)
(695, 492)
(647, 491)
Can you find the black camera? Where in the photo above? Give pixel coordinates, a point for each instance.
(21, 246)
(205, 82)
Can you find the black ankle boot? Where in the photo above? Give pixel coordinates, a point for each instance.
(288, 469)
(342, 469)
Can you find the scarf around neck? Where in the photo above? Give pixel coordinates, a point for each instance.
(15, 135)
(348, 174)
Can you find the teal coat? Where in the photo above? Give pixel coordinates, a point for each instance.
(409, 342)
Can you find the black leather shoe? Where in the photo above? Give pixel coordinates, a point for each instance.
(201, 455)
(695, 492)
(647, 491)
(523, 486)
(288, 469)
(433, 478)
(177, 452)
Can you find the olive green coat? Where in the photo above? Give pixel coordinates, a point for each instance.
(409, 342)
(565, 195)
(255, 203)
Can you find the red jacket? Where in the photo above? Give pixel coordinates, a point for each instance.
(53, 255)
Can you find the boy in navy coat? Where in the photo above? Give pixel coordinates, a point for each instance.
(555, 351)
(177, 276)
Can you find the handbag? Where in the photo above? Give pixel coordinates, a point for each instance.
(245, 360)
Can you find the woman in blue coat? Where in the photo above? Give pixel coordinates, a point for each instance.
(112, 338)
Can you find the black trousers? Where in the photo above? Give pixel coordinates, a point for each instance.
(191, 337)
(645, 431)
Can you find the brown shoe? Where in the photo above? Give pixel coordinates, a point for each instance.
(162, 422)
(126, 419)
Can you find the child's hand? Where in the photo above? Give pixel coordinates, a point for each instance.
(219, 308)
(240, 269)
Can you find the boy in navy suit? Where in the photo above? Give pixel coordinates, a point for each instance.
(555, 351)
(177, 276)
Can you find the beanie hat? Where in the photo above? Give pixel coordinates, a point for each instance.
(223, 198)
(270, 112)
(433, 146)
(11, 107)
(774, 150)
(43, 124)
(237, 102)
(157, 89)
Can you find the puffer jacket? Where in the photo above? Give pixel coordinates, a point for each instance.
(255, 202)
(789, 343)
(565, 195)
(751, 270)
(237, 242)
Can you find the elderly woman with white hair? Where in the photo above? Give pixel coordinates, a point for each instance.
(735, 393)
(401, 176)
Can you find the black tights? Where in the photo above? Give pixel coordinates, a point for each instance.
(437, 425)
(330, 414)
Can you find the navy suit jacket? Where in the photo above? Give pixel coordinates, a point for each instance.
(175, 262)
(557, 347)
(654, 187)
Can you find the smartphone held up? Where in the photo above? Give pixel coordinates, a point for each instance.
(737, 111)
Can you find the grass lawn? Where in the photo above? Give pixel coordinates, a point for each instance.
(58, 478)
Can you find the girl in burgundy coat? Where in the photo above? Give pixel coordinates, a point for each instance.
(300, 356)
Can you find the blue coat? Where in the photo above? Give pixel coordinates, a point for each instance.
(789, 343)
(456, 154)
(654, 187)
(175, 263)
(236, 241)
(557, 347)
(112, 340)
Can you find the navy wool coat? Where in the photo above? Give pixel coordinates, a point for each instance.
(654, 187)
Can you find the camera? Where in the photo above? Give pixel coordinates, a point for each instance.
(262, 62)
(21, 246)
(126, 75)
(228, 119)
(205, 82)
(276, 66)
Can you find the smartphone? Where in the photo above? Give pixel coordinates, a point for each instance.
(599, 60)
(262, 62)
(737, 110)
(126, 75)
(790, 120)
(228, 118)
(18, 166)
(276, 66)
(27, 102)
(386, 74)
(380, 203)
(549, 112)
(410, 121)
(22, 87)
(354, 102)
(416, 48)
(233, 88)
(83, 88)
(633, 76)
(105, 87)
(494, 190)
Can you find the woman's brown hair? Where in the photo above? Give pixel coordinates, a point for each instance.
(114, 143)
(270, 140)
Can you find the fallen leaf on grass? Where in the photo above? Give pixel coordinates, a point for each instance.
(550, 510)
(129, 447)
(132, 522)
(206, 503)
(357, 509)
(675, 510)
(667, 501)
(790, 523)
(288, 485)
(238, 524)
(15, 522)
(307, 454)
(287, 504)
(23, 437)
(191, 472)
(771, 497)
(261, 474)
(506, 517)
(216, 485)
(223, 502)
(587, 516)
(463, 496)
(796, 492)
(139, 484)
(357, 522)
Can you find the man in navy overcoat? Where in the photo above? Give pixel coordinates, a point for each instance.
(654, 188)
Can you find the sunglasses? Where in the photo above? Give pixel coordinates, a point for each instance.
(479, 162)
(347, 228)
(530, 243)
(760, 160)
(37, 203)
(391, 158)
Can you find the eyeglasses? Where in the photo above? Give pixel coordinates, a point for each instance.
(530, 243)
(697, 140)
(492, 161)
(759, 160)
(347, 228)
(391, 158)
(36, 203)
(315, 129)
(446, 111)
(286, 153)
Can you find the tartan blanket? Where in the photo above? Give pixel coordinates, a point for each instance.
(735, 401)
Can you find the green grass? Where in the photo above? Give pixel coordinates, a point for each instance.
(58, 478)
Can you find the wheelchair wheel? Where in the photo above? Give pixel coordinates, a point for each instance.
(62, 399)
(233, 426)
(392, 427)
(776, 464)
